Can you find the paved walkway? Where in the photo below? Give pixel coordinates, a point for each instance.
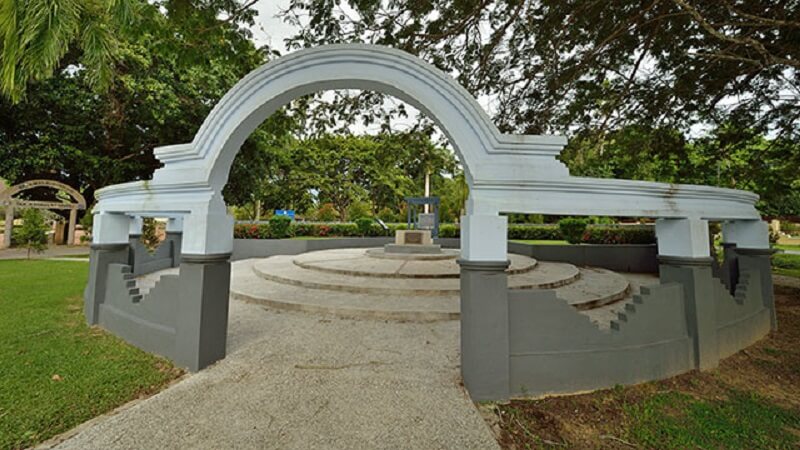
(296, 380)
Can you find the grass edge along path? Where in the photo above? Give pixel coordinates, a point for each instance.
(55, 371)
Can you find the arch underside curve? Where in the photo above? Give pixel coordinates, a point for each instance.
(7, 196)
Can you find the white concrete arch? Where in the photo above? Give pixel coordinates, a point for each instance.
(472, 133)
(505, 173)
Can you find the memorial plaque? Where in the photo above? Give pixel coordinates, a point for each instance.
(427, 221)
(413, 238)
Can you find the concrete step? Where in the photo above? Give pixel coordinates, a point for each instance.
(596, 293)
(281, 269)
(148, 281)
(596, 287)
(247, 286)
(359, 262)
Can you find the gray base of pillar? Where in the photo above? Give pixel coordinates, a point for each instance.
(758, 260)
(101, 255)
(202, 321)
(484, 329)
(694, 274)
(176, 240)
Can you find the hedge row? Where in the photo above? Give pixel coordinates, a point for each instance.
(592, 235)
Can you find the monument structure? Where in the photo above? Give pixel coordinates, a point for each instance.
(10, 203)
(512, 342)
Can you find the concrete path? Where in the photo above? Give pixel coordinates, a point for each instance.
(297, 380)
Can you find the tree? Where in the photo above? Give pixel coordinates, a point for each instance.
(168, 75)
(629, 82)
(33, 232)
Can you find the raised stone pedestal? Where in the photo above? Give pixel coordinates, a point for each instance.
(413, 242)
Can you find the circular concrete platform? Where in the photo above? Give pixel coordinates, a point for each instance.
(374, 262)
(352, 283)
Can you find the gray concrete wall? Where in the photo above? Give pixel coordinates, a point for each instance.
(556, 350)
(143, 261)
(263, 248)
(147, 322)
(742, 319)
(621, 258)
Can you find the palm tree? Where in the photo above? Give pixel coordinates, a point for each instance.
(36, 34)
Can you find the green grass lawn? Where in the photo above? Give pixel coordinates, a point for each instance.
(786, 264)
(56, 372)
(787, 247)
(540, 242)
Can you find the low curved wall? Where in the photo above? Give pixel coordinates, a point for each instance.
(689, 321)
(620, 258)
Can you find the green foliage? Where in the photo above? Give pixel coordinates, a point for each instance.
(357, 210)
(170, 71)
(673, 420)
(387, 215)
(534, 232)
(87, 222)
(364, 225)
(150, 233)
(526, 218)
(572, 229)
(628, 234)
(326, 213)
(44, 334)
(33, 232)
(280, 227)
(786, 261)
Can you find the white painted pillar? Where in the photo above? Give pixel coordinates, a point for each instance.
(746, 233)
(110, 228)
(685, 238)
(73, 219)
(135, 226)
(9, 227)
(484, 237)
(175, 225)
(208, 233)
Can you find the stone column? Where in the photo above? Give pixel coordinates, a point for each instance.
(100, 256)
(484, 307)
(202, 327)
(174, 236)
(9, 226)
(73, 219)
(684, 258)
(749, 242)
(109, 245)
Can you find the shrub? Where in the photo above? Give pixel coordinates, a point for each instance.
(534, 232)
(327, 213)
(149, 233)
(387, 215)
(449, 230)
(357, 210)
(87, 221)
(280, 227)
(33, 232)
(619, 235)
(572, 229)
(364, 225)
